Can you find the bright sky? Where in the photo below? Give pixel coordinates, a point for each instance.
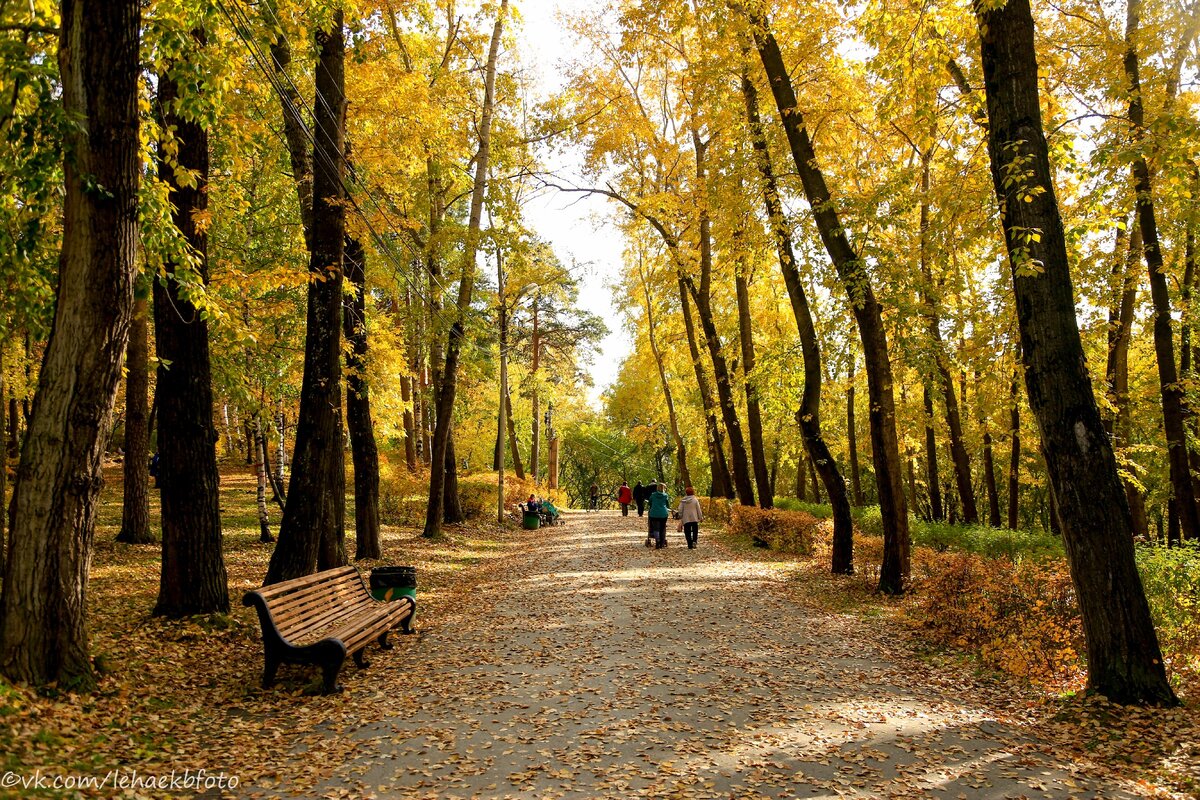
(578, 229)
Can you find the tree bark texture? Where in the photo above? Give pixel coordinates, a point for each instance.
(363, 451)
(1124, 660)
(193, 579)
(312, 531)
(43, 624)
(135, 502)
(868, 313)
(809, 415)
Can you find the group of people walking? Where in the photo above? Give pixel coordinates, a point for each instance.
(653, 501)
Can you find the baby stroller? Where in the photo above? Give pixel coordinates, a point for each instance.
(549, 514)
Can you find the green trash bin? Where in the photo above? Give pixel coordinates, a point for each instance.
(392, 583)
(530, 521)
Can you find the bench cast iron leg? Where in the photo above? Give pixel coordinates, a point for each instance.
(329, 670)
(384, 644)
(406, 626)
(270, 667)
(360, 658)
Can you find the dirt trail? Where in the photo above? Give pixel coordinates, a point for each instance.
(596, 668)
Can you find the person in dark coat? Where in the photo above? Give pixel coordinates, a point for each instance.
(639, 497)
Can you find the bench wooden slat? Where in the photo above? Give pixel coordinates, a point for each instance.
(344, 595)
(322, 618)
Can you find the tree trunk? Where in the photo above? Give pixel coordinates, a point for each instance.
(758, 454)
(135, 506)
(852, 272)
(1174, 412)
(1014, 457)
(801, 486)
(535, 435)
(14, 422)
(680, 447)
(449, 383)
(518, 467)
(1124, 660)
(312, 531)
(43, 627)
(989, 478)
(958, 450)
(193, 577)
(1119, 424)
(722, 486)
(852, 441)
(294, 127)
(410, 428)
(264, 452)
(739, 464)
(816, 487)
(363, 451)
(809, 415)
(260, 472)
(932, 480)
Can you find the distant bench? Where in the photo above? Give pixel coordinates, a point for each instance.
(321, 618)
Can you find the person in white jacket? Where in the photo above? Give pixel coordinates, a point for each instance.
(690, 515)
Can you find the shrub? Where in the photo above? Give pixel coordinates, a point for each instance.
(787, 531)
(1020, 616)
(716, 509)
(1171, 577)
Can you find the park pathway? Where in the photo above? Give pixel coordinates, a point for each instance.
(593, 667)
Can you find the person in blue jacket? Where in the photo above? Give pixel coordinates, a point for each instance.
(659, 512)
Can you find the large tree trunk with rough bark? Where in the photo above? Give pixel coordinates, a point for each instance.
(363, 451)
(193, 577)
(868, 313)
(1124, 660)
(437, 505)
(43, 624)
(312, 531)
(809, 415)
(135, 502)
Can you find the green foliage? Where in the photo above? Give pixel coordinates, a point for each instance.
(1171, 577)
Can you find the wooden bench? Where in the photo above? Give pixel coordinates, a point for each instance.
(321, 618)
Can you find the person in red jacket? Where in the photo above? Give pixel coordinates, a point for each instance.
(624, 497)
